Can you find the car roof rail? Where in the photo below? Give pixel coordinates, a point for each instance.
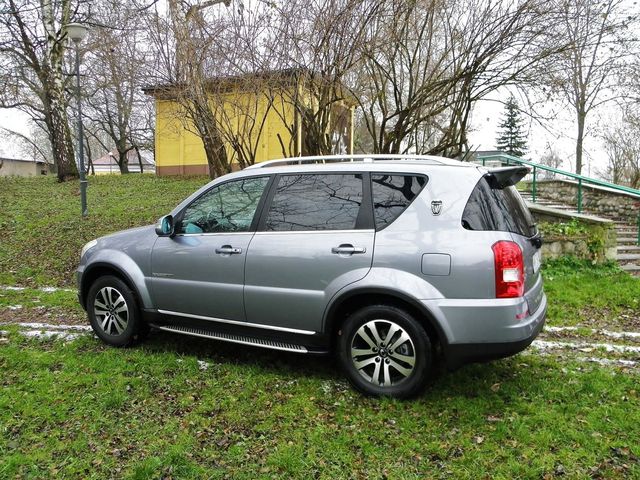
(364, 158)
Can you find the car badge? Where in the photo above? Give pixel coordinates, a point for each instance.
(436, 207)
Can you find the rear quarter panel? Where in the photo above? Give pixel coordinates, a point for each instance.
(419, 231)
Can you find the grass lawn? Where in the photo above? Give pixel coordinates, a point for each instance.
(582, 294)
(43, 232)
(181, 407)
(82, 410)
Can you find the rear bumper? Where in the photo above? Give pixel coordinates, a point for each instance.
(491, 337)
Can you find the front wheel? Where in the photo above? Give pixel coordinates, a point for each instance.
(385, 352)
(113, 312)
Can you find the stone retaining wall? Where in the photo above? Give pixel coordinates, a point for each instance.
(598, 244)
(599, 200)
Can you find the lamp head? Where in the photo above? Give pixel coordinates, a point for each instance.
(76, 32)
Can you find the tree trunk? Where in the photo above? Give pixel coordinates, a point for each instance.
(52, 77)
(139, 158)
(61, 142)
(216, 154)
(123, 162)
(87, 148)
(212, 143)
(579, 141)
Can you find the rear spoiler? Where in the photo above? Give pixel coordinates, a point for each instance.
(505, 176)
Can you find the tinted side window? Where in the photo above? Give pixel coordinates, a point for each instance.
(392, 194)
(229, 207)
(500, 209)
(315, 202)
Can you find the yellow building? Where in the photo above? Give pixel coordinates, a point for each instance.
(256, 117)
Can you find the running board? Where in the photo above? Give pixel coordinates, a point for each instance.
(241, 339)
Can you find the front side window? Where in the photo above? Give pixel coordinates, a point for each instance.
(229, 207)
(315, 202)
(392, 194)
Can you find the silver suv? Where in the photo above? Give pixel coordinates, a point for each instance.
(387, 261)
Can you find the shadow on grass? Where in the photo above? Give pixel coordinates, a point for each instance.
(470, 381)
(321, 366)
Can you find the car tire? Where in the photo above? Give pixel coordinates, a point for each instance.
(385, 352)
(113, 312)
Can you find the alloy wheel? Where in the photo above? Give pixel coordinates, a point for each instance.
(383, 353)
(111, 311)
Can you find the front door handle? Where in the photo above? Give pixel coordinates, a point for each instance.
(228, 250)
(348, 249)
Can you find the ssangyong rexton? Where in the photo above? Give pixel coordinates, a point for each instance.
(383, 260)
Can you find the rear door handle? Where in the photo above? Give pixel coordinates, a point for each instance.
(228, 250)
(348, 249)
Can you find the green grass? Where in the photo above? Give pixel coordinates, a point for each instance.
(82, 410)
(43, 232)
(581, 293)
(33, 298)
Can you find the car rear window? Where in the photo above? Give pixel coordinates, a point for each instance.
(392, 194)
(498, 209)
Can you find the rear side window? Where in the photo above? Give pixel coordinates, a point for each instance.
(316, 202)
(498, 209)
(392, 194)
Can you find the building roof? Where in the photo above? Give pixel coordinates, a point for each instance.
(27, 160)
(281, 78)
(109, 159)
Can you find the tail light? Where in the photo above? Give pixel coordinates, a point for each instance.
(509, 269)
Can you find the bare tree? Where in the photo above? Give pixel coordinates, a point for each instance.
(550, 158)
(33, 44)
(321, 41)
(597, 36)
(34, 145)
(429, 62)
(622, 144)
(183, 61)
(117, 62)
(251, 79)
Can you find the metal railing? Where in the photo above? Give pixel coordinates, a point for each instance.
(580, 179)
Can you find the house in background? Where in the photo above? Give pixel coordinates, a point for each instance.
(259, 118)
(24, 168)
(108, 163)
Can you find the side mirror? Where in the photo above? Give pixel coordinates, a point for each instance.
(164, 227)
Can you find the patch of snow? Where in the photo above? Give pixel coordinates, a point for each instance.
(610, 361)
(49, 334)
(584, 346)
(41, 289)
(607, 333)
(49, 326)
(14, 307)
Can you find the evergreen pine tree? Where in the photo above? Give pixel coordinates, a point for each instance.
(511, 137)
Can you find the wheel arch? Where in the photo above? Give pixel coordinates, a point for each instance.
(353, 300)
(100, 269)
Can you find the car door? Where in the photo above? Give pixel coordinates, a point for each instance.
(200, 271)
(315, 237)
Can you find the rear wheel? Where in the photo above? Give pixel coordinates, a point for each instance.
(113, 312)
(385, 352)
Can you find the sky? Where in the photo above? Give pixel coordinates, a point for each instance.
(14, 120)
(561, 135)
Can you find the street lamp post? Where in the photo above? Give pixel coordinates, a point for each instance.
(77, 32)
